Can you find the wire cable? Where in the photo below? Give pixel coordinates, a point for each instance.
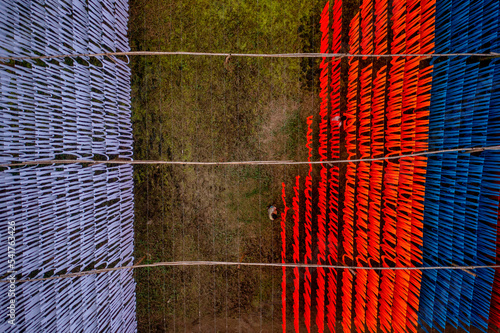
(251, 55)
(132, 162)
(259, 264)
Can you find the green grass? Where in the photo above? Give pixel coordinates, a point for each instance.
(203, 109)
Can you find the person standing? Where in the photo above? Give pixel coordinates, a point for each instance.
(273, 212)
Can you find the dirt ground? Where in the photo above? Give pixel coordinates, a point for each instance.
(209, 109)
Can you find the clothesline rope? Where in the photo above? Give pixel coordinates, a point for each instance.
(286, 162)
(252, 55)
(260, 264)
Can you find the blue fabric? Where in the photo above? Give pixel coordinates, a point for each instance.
(461, 209)
(68, 217)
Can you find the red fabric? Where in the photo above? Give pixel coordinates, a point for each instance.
(350, 189)
(380, 27)
(375, 197)
(372, 295)
(363, 169)
(391, 177)
(387, 112)
(350, 129)
(405, 186)
(308, 230)
(333, 176)
(322, 150)
(296, 258)
(283, 257)
(321, 247)
(346, 300)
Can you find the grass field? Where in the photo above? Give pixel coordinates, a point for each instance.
(213, 109)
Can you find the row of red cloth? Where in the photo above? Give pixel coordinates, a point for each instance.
(399, 93)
